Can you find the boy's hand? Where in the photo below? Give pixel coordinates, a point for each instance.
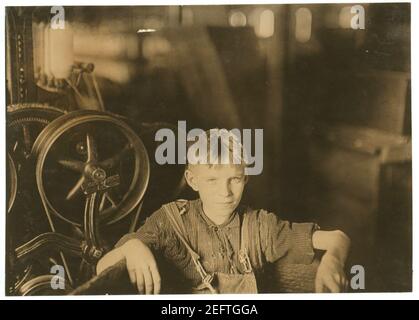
(141, 265)
(330, 275)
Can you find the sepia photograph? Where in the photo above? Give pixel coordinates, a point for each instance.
(208, 149)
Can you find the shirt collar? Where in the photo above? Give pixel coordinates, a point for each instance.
(232, 222)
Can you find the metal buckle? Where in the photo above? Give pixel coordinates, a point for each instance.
(245, 261)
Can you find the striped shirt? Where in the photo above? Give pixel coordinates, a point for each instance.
(218, 245)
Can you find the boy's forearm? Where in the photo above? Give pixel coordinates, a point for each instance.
(129, 247)
(336, 243)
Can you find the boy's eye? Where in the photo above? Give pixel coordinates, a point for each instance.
(236, 179)
(211, 180)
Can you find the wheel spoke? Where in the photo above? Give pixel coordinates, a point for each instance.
(74, 165)
(102, 202)
(91, 148)
(75, 189)
(114, 160)
(113, 203)
(105, 197)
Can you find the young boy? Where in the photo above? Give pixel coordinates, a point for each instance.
(216, 245)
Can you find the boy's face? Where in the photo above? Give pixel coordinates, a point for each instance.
(220, 188)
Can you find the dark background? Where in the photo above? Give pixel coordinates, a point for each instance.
(332, 106)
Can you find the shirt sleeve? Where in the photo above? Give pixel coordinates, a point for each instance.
(290, 242)
(151, 233)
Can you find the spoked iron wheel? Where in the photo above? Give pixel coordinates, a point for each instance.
(87, 151)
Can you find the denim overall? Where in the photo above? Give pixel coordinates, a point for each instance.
(217, 282)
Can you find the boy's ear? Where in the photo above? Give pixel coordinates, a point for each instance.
(191, 179)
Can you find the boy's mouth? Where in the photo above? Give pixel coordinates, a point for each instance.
(226, 202)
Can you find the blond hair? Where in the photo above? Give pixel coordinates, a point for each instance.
(217, 146)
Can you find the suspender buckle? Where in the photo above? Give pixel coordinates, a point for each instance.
(207, 283)
(245, 261)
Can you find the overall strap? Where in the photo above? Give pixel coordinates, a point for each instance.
(244, 244)
(175, 220)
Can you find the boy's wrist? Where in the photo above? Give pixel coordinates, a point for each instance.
(329, 256)
(340, 246)
(334, 243)
(131, 244)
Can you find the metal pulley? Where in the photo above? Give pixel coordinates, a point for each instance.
(84, 152)
(91, 170)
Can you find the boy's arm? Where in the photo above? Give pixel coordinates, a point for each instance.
(330, 274)
(140, 262)
(150, 233)
(336, 243)
(134, 248)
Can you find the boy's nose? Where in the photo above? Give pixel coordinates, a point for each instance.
(224, 189)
